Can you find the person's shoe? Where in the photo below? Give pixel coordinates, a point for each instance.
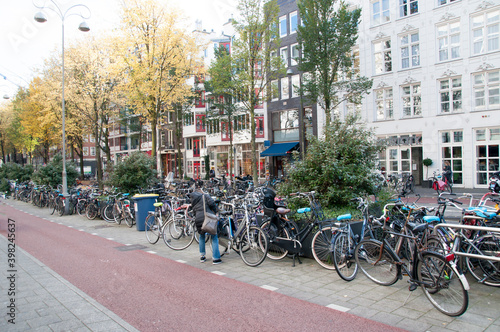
(203, 259)
(217, 261)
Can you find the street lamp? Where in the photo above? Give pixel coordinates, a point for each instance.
(302, 141)
(41, 18)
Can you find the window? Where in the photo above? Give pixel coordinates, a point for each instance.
(410, 50)
(486, 90)
(294, 54)
(451, 151)
(380, 12)
(200, 123)
(408, 7)
(189, 143)
(285, 125)
(449, 41)
(450, 92)
(190, 167)
(85, 151)
(92, 150)
(284, 55)
(274, 91)
(92, 139)
(384, 104)
(412, 103)
(200, 99)
(487, 154)
(293, 22)
(485, 32)
(259, 126)
(189, 119)
(225, 134)
(444, 2)
(295, 85)
(383, 57)
(282, 26)
(285, 94)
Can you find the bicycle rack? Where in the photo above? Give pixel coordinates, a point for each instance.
(474, 228)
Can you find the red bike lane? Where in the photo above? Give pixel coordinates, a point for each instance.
(154, 293)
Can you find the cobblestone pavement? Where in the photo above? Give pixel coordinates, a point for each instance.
(394, 305)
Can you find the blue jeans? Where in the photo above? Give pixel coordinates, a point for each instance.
(215, 246)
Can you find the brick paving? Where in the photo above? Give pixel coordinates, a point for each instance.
(47, 302)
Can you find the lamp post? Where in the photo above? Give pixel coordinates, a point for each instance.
(41, 18)
(302, 141)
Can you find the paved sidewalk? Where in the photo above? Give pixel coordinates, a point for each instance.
(392, 305)
(46, 302)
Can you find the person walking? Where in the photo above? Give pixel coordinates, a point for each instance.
(447, 173)
(199, 204)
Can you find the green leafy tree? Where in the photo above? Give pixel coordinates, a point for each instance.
(251, 61)
(51, 174)
(348, 158)
(134, 172)
(327, 35)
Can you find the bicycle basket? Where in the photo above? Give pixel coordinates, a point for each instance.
(357, 228)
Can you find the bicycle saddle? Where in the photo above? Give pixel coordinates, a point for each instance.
(281, 210)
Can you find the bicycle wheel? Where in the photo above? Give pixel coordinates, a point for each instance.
(442, 284)
(129, 216)
(152, 228)
(60, 207)
(378, 265)
(80, 207)
(224, 241)
(117, 214)
(275, 252)
(343, 258)
(321, 247)
(485, 271)
(178, 235)
(107, 213)
(91, 211)
(253, 246)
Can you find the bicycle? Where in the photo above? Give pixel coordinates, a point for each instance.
(243, 236)
(122, 211)
(440, 279)
(285, 237)
(348, 236)
(440, 185)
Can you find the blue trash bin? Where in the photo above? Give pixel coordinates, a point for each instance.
(142, 204)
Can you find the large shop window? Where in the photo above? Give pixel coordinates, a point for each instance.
(451, 151)
(487, 153)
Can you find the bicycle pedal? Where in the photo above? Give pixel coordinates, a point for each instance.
(412, 287)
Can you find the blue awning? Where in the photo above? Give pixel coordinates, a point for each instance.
(278, 149)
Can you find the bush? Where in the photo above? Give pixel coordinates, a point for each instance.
(12, 171)
(136, 171)
(51, 174)
(348, 157)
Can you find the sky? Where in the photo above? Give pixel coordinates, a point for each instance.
(25, 43)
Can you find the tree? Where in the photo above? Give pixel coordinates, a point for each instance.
(327, 35)
(158, 55)
(135, 171)
(222, 109)
(253, 67)
(348, 157)
(91, 95)
(51, 174)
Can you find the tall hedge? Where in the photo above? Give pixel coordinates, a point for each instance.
(51, 174)
(339, 166)
(135, 172)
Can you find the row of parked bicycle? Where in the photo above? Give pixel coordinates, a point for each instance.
(407, 239)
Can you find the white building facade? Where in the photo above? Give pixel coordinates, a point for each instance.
(435, 67)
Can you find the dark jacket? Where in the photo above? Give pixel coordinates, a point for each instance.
(197, 206)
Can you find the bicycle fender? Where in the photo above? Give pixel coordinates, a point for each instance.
(461, 276)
